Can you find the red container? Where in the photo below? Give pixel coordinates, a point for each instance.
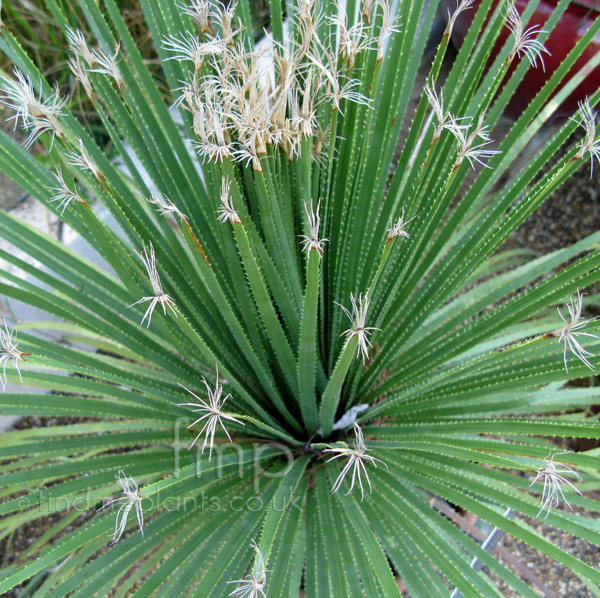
(577, 19)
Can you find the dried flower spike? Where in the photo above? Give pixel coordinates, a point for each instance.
(200, 11)
(332, 82)
(314, 223)
(353, 40)
(159, 296)
(397, 230)
(524, 42)
(589, 144)
(79, 47)
(80, 74)
(211, 124)
(437, 104)
(165, 206)
(356, 462)
(307, 26)
(213, 410)
(108, 65)
(132, 499)
(389, 25)
(84, 161)
(358, 318)
(568, 333)
(64, 195)
(9, 352)
(554, 480)
(452, 17)
(36, 115)
(252, 586)
(467, 148)
(225, 211)
(190, 48)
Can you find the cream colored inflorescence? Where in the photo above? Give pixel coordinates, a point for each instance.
(251, 100)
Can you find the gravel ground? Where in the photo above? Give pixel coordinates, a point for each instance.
(557, 580)
(569, 215)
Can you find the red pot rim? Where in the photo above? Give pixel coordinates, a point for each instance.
(593, 4)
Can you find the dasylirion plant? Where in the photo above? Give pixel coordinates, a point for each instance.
(302, 341)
